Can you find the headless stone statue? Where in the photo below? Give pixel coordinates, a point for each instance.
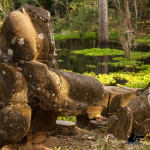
(27, 34)
(28, 85)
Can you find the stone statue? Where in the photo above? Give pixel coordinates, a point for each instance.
(27, 34)
(33, 91)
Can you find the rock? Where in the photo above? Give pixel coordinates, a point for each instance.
(82, 121)
(26, 84)
(25, 147)
(18, 37)
(46, 120)
(29, 138)
(140, 107)
(14, 122)
(115, 98)
(41, 147)
(66, 128)
(15, 114)
(65, 92)
(121, 125)
(93, 111)
(9, 147)
(21, 43)
(93, 124)
(39, 137)
(51, 142)
(13, 86)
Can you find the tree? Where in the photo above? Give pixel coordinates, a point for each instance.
(103, 34)
(83, 20)
(126, 30)
(103, 23)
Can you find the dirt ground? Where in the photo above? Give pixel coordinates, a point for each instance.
(89, 140)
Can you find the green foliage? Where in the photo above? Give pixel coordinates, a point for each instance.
(73, 35)
(60, 60)
(20, 3)
(126, 63)
(91, 66)
(68, 118)
(86, 36)
(99, 52)
(135, 80)
(6, 7)
(114, 36)
(84, 19)
(144, 40)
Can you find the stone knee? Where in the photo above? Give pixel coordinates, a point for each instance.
(14, 122)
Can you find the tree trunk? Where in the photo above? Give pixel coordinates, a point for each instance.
(136, 16)
(127, 35)
(55, 8)
(103, 22)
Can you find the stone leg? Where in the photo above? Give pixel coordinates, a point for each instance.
(121, 125)
(43, 121)
(14, 122)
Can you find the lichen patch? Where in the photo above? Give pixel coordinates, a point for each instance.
(41, 36)
(21, 41)
(10, 51)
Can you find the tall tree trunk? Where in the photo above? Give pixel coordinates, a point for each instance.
(55, 8)
(103, 33)
(136, 16)
(103, 22)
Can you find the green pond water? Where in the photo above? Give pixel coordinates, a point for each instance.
(100, 64)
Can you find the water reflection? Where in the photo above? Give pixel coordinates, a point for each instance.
(81, 64)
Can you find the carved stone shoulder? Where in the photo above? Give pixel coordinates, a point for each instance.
(36, 12)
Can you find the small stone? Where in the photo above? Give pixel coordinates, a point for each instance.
(39, 137)
(51, 142)
(65, 123)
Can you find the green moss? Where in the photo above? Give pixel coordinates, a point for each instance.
(67, 118)
(99, 52)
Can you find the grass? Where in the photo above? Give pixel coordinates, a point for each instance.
(86, 36)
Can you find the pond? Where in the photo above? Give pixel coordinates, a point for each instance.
(97, 64)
